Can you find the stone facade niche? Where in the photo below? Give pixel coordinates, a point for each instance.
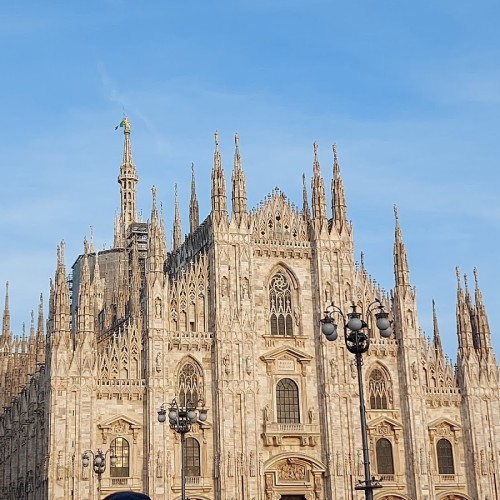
(387, 428)
(294, 475)
(286, 363)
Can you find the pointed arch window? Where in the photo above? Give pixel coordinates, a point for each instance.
(280, 305)
(378, 390)
(287, 401)
(190, 384)
(385, 459)
(192, 457)
(121, 450)
(445, 457)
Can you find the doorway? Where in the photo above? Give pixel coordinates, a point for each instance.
(293, 497)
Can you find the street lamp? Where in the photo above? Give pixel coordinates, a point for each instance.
(358, 342)
(98, 464)
(181, 419)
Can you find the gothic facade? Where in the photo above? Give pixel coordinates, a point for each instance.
(229, 317)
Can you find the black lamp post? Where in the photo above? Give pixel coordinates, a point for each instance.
(358, 342)
(98, 464)
(181, 419)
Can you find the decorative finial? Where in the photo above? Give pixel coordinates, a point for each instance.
(466, 283)
(236, 140)
(216, 136)
(476, 277)
(304, 180)
(175, 191)
(335, 152)
(457, 272)
(60, 253)
(396, 213)
(315, 147)
(125, 124)
(153, 192)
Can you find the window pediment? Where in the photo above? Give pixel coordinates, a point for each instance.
(444, 428)
(119, 425)
(385, 427)
(286, 360)
(435, 424)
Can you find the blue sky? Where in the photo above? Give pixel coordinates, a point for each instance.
(409, 91)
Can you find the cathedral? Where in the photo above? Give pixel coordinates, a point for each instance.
(228, 318)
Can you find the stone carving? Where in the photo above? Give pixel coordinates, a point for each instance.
(120, 427)
(251, 462)
(423, 466)
(230, 472)
(414, 372)
(339, 464)
(333, 370)
(60, 467)
(267, 413)
(224, 286)
(227, 364)
(158, 308)
(244, 288)
(159, 465)
(292, 470)
(484, 468)
(310, 415)
(248, 365)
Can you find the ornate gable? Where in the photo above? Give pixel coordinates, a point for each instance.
(286, 360)
(444, 428)
(276, 219)
(119, 426)
(384, 426)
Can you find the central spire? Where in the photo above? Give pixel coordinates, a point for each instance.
(128, 185)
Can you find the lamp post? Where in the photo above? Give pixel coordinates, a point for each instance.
(181, 419)
(357, 342)
(98, 464)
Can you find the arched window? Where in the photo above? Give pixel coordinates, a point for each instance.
(280, 306)
(385, 462)
(287, 401)
(121, 450)
(192, 457)
(189, 384)
(445, 457)
(378, 390)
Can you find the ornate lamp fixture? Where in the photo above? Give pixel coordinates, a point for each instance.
(181, 420)
(357, 342)
(98, 464)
